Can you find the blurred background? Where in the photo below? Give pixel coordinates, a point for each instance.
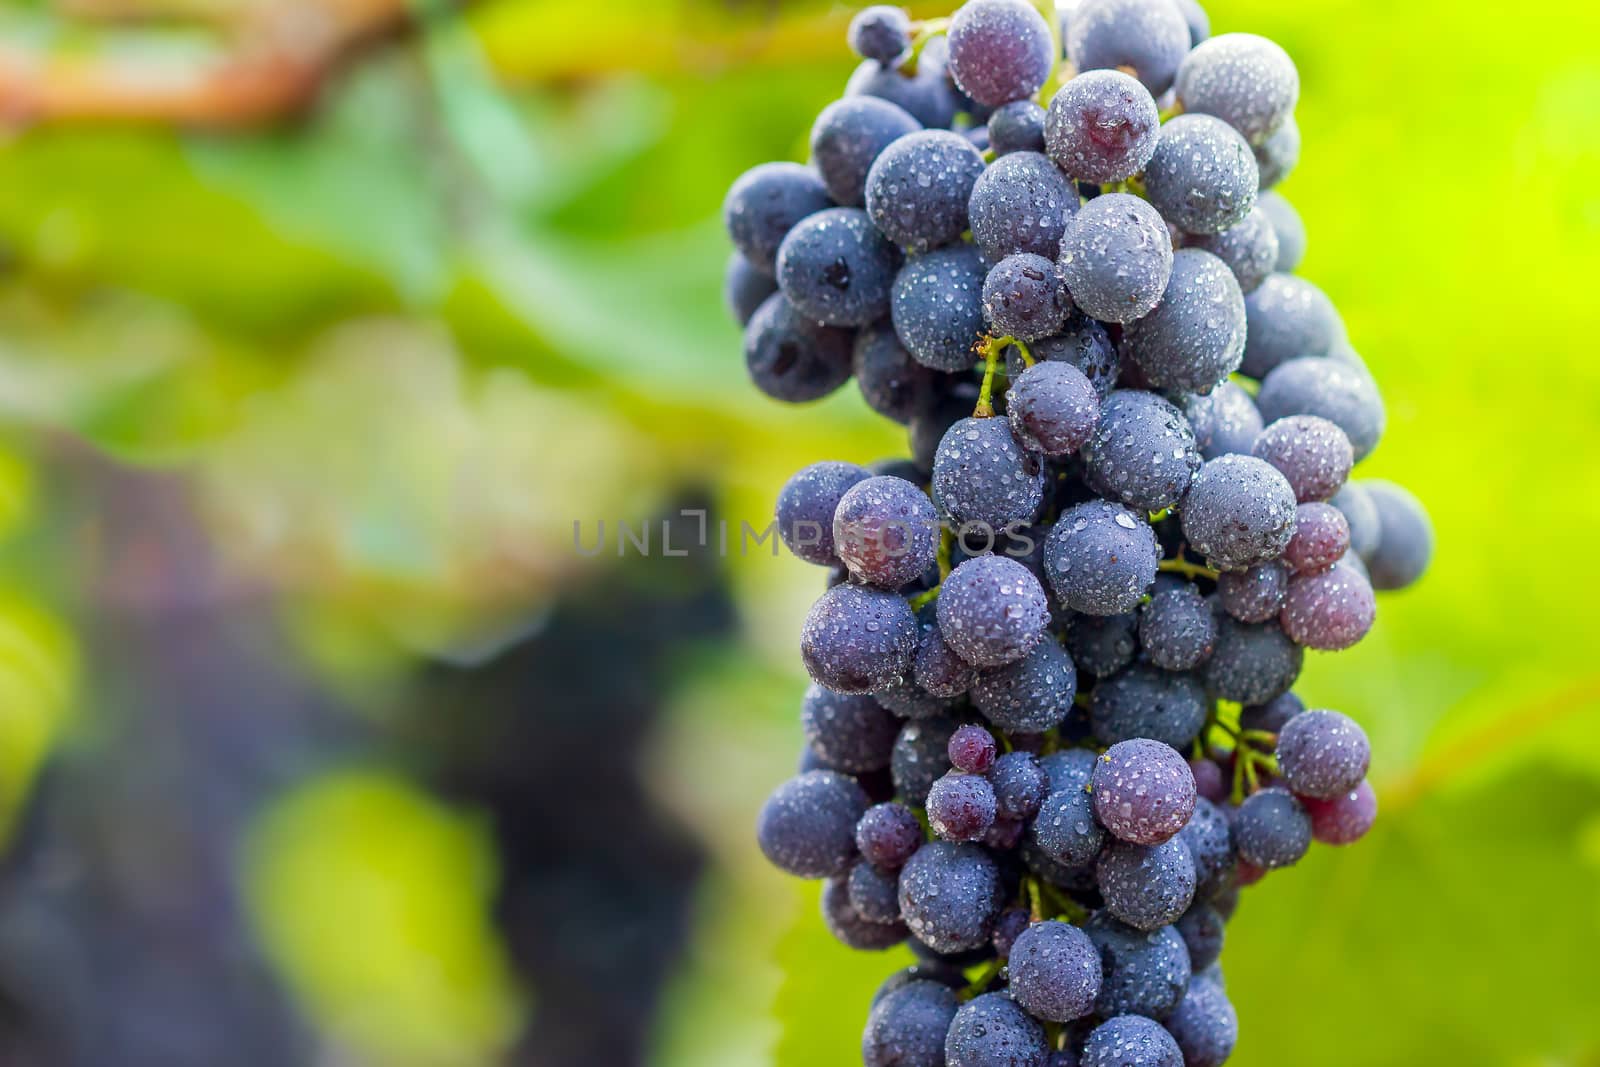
(321, 321)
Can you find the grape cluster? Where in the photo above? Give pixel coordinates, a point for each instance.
(1052, 731)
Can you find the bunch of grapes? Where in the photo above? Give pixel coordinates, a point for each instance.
(1052, 731)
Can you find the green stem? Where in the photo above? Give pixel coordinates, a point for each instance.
(981, 982)
(925, 597)
(922, 33)
(990, 349)
(1047, 91)
(1185, 568)
(1264, 736)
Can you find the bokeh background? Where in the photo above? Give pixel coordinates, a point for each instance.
(321, 321)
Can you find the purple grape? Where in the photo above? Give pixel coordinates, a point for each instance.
(1235, 422)
(1100, 558)
(937, 307)
(792, 358)
(874, 893)
(1405, 539)
(887, 835)
(972, 749)
(886, 531)
(982, 475)
(1162, 705)
(1254, 594)
(907, 1027)
(1084, 344)
(1065, 828)
(918, 187)
(1272, 715)
(1150, 36)
(1143, 791)
(1202, 177)
(880, 32)
(1103, 645)
(1245, 80)
(1249, 247)
(1069, 769)
(926, 93)
(1000, 50)
(961, 807)
(1288, 318)
(836, 269)
(1016, 127)
(744, 288)
(806, 505)
(937, 668)
(1146, 886)
(1203, 933)
(1023, 297)
(1055, 972)
(852, 928)
(1321, 538)
(1116, 257)
(807, 826)
(1032, 695)
(1130, 1041)
(990, 1030)
(851, 732)
(847, 136)
(1019, 785)
(1323, 754)
(1271, 829)
(1361, 514)
(1238, 512)
(1195, 337)
(950, 896)
(1311, 452)
(1177, 629)
(1102, 127)
(1010, 925)
(1252, 663)
(1053, 409)
(1210, 841)
(992, 611)
(1344, 819)
(858, 640)
(763, 205)
(1208, 780)
(1142, 453)
(1021, 204)
(920, 756)
(1328, 611)
(1204, 1025)
(1143, 973)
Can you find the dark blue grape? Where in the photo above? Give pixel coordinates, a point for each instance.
(1084, 344)
(1323, 754)
(1146, 886)
(1405, 538)
(992, 611)
(1361, 513)
(1210, 841)
(961, 807)
(806, 505)
(1254, 594)
(1204, 1025)
(1102, 127)
(1277, 156)
(1150, 36)
(1271, 829)
(1116, 257)
(937, 307)
(1273, 715)
(851, 732)
(982, 475)
(887, 835)
(1288, 318)
(892, 383)
(880, 32)
(1252, 663)
(1344, 819)
(763, 205)
(1245, 80)
(1290, 230)
(1235, 422)
(1000, 50)
(1321, 538)
(836, 269)
(848, 925)
(1016, 127)
(1176, 628)
(1143, 791)
(886, 531)
(1055, 972)
(1069, 769)
(1024, 297)
(1030, 696)
(807, 826)
(1249, 247)
(1103, 645)
(791, 358)
(1203, 932)
(950, 896)
(920, 756)
(918, 187)
(1163, 705)
(991, 1031)
(1199, 22)
(874, 893)
(1329, 611)
(1065, 828)
(1021, 204)
(1142, 453)
(858, 640)
(937, 668)
(946, 974)
(1203, 177)
(1019, 785)
(744, 288)
(1239, 512)
(1100, 558)
(1311, 452)
(1195, 337)
(1130, 1041)
(926, 93)
(1053, 409)
(1145, 973)
(848, 135)
(907, 1027)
